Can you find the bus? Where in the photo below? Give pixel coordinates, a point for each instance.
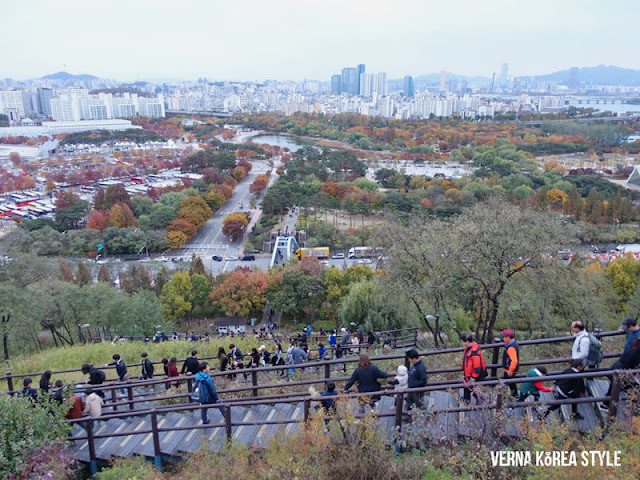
(138, 180)
(321, 252)
(360, 252)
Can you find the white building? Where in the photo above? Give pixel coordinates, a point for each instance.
(11, 103)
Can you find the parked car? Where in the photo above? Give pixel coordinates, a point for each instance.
(247, 258)
(162, 259)
(216, 258)
(338, 256)
(232, 258)
(144, 260)
(176, 259)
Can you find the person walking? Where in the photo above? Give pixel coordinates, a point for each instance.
(223, 359)
(344, 339)
(580, 348)
(631, 328)
(417, 379)
(208, 393)
(534, 386)
(147, 368)
(473, 367)
(96, 376)
(172, 370)
(510, 358)
(366, 375)
(92, 405)
(401, 380)
(191, 364)
(569, 388)
(236, 359)
(121, 370)
(45, 381)
(332, 339)
(28, 391)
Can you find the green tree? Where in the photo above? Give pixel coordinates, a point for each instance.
(175, 296)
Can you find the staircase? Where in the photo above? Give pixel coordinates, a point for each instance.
(175, 444)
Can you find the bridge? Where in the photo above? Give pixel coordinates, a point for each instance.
(137, 424)
(284, 249)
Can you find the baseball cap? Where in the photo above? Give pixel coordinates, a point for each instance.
(629, 322)
(507, 332)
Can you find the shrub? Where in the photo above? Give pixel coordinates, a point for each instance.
(24, 427)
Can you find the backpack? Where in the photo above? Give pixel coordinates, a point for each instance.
(595, 355)
(148, 366)
(199, 393)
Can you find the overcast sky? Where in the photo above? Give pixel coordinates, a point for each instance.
(298, 39)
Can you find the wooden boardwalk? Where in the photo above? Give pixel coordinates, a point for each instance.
(438, 426)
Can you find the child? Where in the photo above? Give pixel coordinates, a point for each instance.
(401, 380)
(534, 387)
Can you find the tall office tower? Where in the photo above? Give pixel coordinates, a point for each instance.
(493, 83)
(350, 80)
(504, 75)
(463, 87)
(381, 84)
(367, 84)
(361, 69)
(573, 77)
(443, 80)
(408, 90)
(336, 84)
(44, 98)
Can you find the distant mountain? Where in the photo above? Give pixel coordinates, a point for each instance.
(64, 76)
(602, 74)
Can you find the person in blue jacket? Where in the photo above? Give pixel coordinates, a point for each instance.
(209, 391)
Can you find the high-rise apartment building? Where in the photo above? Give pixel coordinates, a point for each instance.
(336, 84)
(44, 99)
(361, 70)
(367, 84)
(350, 80)
(11, 104)
(381, 84)
(408, 90)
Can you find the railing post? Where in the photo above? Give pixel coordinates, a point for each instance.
(327, 371)
(156, 440)
(415, 337)
(494, 358)
(189, 385)
(130, 397)
(399, 406)
(92, 448)
(615, 395)
(227, 422)
(307, 407)
(254, 382)
(114, 399)
(10, 382)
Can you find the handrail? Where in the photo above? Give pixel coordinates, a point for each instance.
(327, 363)
(308, 398)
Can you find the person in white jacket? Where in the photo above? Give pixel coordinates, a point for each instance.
(581, 343)
(401, 380)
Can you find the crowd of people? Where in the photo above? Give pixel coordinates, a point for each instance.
(87, 400)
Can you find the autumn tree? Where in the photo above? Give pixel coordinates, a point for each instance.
(97, 221)
(103, 275)
(239, 173)
(116, 194)
(182, 225)
(234, 224)
(176, 238)
(241, 292)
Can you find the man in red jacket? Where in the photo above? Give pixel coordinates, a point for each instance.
(473, 366)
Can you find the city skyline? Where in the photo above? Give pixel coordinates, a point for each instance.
(286, 40)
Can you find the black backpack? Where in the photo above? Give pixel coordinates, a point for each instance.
(148, 366)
